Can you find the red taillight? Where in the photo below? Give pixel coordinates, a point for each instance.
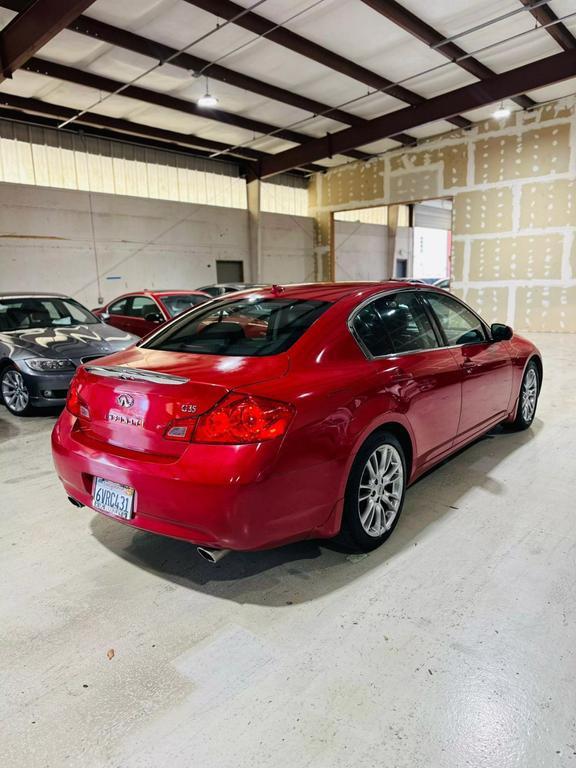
(74, 402)
(243, 419)
(235, 420)
(73, 399)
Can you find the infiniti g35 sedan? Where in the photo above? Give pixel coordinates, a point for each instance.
(289, 413)
(43, 339)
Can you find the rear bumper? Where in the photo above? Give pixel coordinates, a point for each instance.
(232, 497)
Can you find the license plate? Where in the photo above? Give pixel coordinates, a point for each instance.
(114, 498)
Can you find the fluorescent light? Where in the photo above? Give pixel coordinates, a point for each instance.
(502, 112)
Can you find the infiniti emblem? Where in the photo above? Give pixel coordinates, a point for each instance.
(125, 400)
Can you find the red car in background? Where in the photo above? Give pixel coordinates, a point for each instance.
(143, 311)
(289, 413)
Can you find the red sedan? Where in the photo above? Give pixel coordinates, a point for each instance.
(144, 311)
(231, 439)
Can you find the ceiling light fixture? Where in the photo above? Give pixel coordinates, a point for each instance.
(207, 100)
(502, 112)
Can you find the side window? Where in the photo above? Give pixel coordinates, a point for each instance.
(118, 308)
(142, 306)
(460, 325)
(394, 324)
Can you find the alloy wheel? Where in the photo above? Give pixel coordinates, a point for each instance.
(529, 394)
(14, 391)
(380, 490)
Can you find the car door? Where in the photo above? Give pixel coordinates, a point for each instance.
(141, 310)
(116, 314)
(485, 365)
(397, 332)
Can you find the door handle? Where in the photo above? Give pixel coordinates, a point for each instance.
(469, 366)
(399, 375)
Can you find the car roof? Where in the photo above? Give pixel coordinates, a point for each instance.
(336, 291)
(174, 292)
(32, 295)
(146, 292)
(234, 285)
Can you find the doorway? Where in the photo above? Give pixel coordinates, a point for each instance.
(407, 241)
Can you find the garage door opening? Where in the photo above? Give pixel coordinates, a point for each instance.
(410, 241)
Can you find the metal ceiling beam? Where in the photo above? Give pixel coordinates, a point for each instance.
(262, 26)
(127, 127)
(560, 32)
(91, 80)
(130, 41)
(412, 24)
(38, 23)
(537, 74)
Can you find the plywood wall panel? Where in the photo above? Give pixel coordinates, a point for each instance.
(526, 257)
(546, 308)
(488, 210)
(458, 249)
(548, 205)
(513, 184)
(453, 161)
(527, 155)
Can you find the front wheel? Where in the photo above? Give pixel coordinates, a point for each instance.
(14, 391)
(375, 493)
(528, 399)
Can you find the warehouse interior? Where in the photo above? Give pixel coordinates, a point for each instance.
(179, 144)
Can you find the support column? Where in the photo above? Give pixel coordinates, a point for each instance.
(253, 192)
(393, 211)
(323, 231)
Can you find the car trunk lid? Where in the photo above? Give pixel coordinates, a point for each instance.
(133, 396)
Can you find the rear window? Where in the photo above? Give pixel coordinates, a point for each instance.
(177, 303)
(249, 326)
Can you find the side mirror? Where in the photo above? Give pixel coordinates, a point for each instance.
(501, 332)
(104, 316)
(154, 317)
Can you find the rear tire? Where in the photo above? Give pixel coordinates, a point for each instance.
(528, 398)
(374, 494)
(14, 392)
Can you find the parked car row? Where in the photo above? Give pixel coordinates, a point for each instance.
(142, 311)
(45, 337)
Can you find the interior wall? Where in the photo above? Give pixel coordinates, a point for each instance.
(360, 251)
(513, 183)
(287, 249)
(48, 241)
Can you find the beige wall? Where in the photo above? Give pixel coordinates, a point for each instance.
(47, 243)
(514, 188)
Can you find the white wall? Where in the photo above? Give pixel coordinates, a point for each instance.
(47, 243)
(287, 248)
(360, 251)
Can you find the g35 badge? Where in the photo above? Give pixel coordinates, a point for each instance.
(188, 408)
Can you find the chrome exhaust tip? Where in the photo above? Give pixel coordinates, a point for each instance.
(75, 502)
(212, 555)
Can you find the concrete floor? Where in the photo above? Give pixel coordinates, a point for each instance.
(453, 645)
